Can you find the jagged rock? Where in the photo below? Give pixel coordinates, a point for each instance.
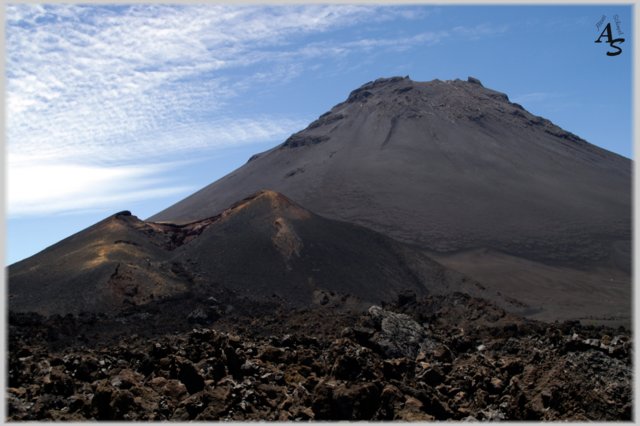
(123, 403)
(391, 401)
(272, 354)
(86, 370)
(511, 365)
(362, 335)
(298, 140)
(496, 385)
(356, 402)
(198, 316)
(398, 335)
(442, 353)
(57, 382)
(190, 376)
(126, 379)
(397, 368)
(437, 408)
(429, 374)
(412, 411)
(491, 415)
(174, 389)
(200, 335)
(346, 367)
(217, 403)
(235, 360)
(326, 119)
(101, 402)
(192, 406)
(321, 403)
(546, 396)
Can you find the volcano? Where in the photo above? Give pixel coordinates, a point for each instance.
(458, 170)
(393, 189)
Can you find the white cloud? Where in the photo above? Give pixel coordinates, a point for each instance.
(36, 188)
(42, 182)
(546, 103)
(153, 146)
(535, 97)
(425, 38)
(480, 31)
(103, 77)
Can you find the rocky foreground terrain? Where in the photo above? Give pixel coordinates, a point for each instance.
(436, 358)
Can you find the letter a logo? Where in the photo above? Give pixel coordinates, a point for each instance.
(607, 30)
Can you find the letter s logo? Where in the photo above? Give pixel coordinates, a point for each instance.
(612, 43)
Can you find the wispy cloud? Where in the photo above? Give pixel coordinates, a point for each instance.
(76, 178)
(37, 188)
(92, 77)
(107, 92)
(155, 143)
(480, 31)
(535, 97)
(545, 103)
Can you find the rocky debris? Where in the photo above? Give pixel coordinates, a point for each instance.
(298, 139)
(363, 92)
(618, 346)
(439, 358)
(326, 119)
(204, 315)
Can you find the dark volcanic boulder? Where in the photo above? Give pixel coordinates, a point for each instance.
(399, 335)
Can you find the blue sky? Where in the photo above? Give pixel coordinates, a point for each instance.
(135, 107)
